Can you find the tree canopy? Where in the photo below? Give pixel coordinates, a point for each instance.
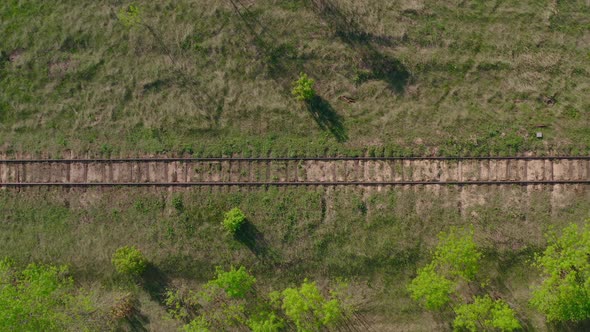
(485, 314)
(236, 282)
(431, 289)
(564, 294)
(39, 298)
(456, 257)
(309, 309)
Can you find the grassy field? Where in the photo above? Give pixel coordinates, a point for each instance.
(428, 77)
(373, 239)
(212, 78)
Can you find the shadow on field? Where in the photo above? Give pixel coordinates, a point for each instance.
(326, 117)
(251, 237)
(572, 327)
(497, 286)
(381, 66)
(282, 64)
(137, 321)
(155, 282)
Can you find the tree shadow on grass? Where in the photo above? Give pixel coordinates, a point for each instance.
(155, 282)
(251, 237)
(381, 66)
(137, 321)
(571, 327)
(326, 117)
(497, 287)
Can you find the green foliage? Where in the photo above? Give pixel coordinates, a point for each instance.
(308, 309)
(197, 325)
(233, 220)
(456, 254)
(130, 16)
(39, 298)
(265, 322)
(430, 289)
(564, 294)
(235, 283)
(303, 88)
(178, 203)
(129, 260)
(485, 314)
(174, 304)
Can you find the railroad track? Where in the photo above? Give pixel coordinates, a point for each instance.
(324, 171)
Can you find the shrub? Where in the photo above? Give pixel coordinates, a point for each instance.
(129, 261)
(130, 16)
(123, 307)
(175, 304)
(235, 283)
(233, 220)
(178, 203)
(303, 88)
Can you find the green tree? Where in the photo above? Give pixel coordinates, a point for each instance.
(456, 254)
(130, 261)
(485, 314)
(235, 283)
(233, 220)
(430, 289)
(40, 298)
(308, 309)
(564, 294)
(303, 88)
(455, 257)
(265, 322)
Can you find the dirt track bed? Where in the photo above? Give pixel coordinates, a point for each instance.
(293, 171)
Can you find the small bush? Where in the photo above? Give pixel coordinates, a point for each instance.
(233, 220)
(129, 261)
(178, 203)
(303, 88)
(123, 307)
(130, 16)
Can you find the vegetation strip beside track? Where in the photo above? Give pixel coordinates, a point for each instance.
(262, 159)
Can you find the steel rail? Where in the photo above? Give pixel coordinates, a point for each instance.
(287, 183)
(270, 159)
